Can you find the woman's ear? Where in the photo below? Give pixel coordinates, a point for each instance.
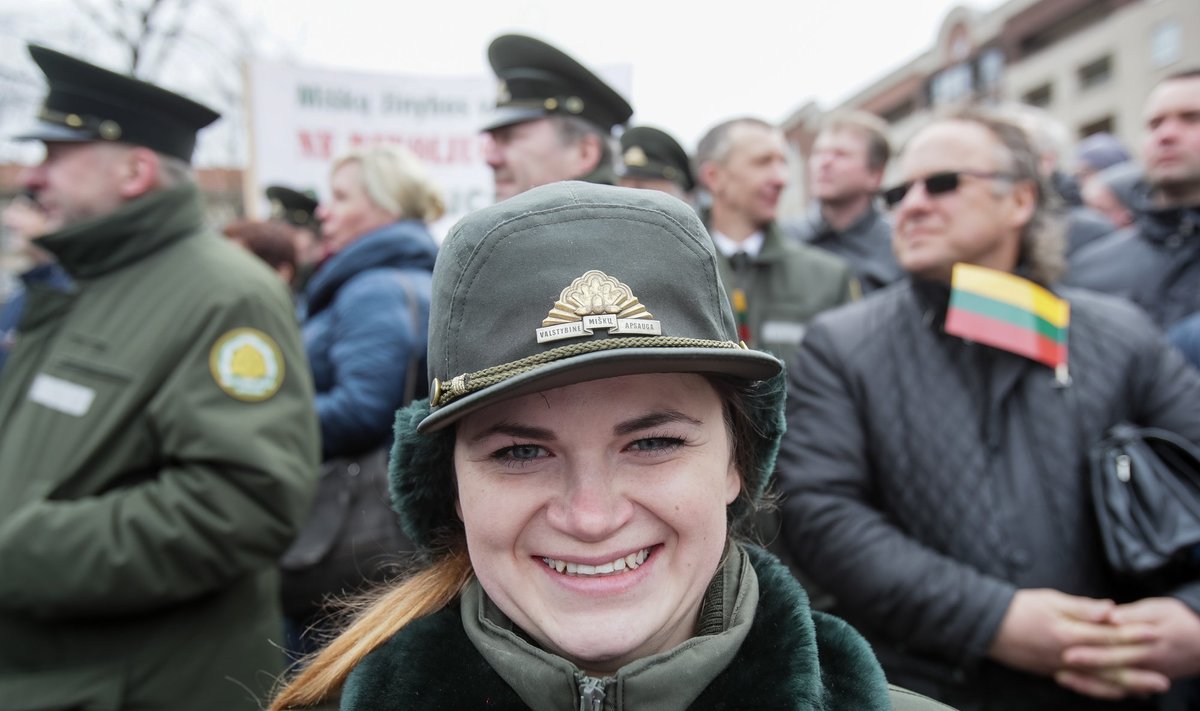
(733, 484)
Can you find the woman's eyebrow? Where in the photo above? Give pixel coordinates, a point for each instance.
(653, 419)
(513, 429)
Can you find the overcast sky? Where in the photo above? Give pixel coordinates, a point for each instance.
(691, 67)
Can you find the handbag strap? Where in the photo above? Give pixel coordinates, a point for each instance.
(412, 372)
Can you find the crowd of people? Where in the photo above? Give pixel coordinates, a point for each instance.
(649, 443)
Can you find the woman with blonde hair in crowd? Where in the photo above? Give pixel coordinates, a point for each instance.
(595, 442)
(365, 323)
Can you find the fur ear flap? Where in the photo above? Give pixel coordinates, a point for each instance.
(421, 478)
(764, 403)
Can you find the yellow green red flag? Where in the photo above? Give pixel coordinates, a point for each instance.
(1008, 312)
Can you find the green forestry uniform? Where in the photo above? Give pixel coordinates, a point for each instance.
(785, 286)
(158, 448)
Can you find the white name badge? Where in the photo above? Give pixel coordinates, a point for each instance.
(782, 332)
(62, 395)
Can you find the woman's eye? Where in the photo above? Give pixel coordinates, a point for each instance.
(519, 454)
(656, 444)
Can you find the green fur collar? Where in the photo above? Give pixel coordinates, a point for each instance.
(792, 658)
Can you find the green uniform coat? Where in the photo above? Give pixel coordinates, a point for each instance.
(787, 285)
(143, 504)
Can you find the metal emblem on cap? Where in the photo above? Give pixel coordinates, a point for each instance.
(73, 120)
(574, 104)
(635, 156)
(503, 96)
(109, 130)
(597, 301)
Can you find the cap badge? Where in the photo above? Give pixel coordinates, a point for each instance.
(597, 301)
(503, 96)
(277, 209)
(635, 156)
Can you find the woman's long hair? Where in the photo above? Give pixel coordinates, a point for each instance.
(378, 617)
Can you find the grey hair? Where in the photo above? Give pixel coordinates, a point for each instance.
(173, 171)
(716, 143)
(573, 129)
(1042, 255)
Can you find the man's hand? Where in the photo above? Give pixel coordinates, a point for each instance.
(1158, 639)
(1040, 625)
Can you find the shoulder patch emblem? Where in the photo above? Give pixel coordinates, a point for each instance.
(247, 364)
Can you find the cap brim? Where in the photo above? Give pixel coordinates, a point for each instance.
(44, 131)
(740, 363)
(511, 115)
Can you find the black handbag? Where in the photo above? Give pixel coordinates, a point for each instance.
(1145, 485)
(352, 537)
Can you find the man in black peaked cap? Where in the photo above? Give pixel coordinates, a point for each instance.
(158, 444)
(554, 118)
(654, 160)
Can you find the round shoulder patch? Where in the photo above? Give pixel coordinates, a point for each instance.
(247, 364)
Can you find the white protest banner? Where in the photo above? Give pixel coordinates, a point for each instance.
(302, 118)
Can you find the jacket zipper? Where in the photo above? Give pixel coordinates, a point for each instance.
(591, 694)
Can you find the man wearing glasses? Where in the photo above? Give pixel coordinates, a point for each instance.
(935, 487)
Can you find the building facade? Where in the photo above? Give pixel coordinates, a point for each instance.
(1090, 63)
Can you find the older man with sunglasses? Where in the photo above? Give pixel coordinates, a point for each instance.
(936, 487)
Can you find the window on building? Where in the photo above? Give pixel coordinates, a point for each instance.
(1097, 73)
(1103, 125)
(1041, 96)
(1166, 43)
(951, 85)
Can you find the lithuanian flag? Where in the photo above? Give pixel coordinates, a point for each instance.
(1010, 313)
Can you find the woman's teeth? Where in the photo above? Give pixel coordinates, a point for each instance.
(629, 562)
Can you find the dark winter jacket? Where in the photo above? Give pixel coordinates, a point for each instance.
(788, 658)
(866, 246)
(927, 478)
(359, 333)
(1154, 262)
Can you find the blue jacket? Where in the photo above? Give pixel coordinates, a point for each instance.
(359, 334)
(10, 313)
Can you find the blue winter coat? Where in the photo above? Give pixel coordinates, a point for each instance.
(359, 334)
(10, 313)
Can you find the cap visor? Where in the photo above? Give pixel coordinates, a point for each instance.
(740, 363)
(508, 116)
(43, 131)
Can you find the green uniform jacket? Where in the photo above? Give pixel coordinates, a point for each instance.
(786, 285)
(158, 448)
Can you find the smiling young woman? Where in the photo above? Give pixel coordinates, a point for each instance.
(595, 442)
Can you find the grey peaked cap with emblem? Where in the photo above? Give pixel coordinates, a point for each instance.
(502, 268)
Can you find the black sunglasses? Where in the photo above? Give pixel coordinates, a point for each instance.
(938, 184)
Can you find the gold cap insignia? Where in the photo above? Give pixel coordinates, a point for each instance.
(109, 130)
(595, 301)
(635, 156)
(73, 120)
(550, 104)
(247, 364)
(503, 96)
(574, 104)
(277, 209)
